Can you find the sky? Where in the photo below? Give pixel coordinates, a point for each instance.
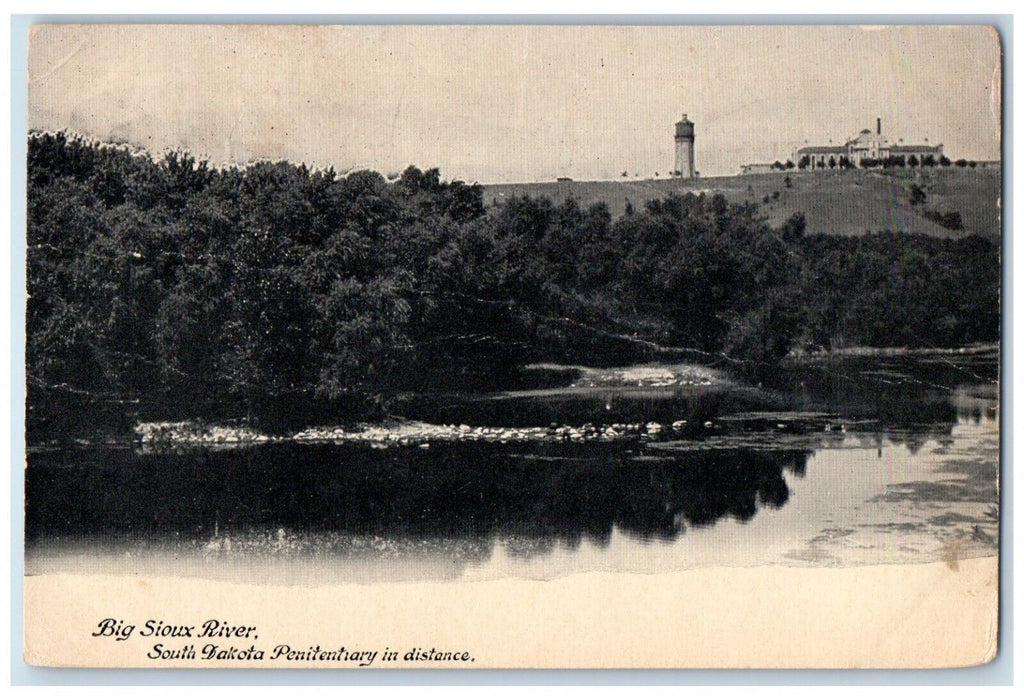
(495, 103)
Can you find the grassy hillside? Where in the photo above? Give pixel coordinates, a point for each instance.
(837, 202)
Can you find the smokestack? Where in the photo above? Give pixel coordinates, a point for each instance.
(879, 123)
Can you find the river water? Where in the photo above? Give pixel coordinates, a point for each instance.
(649, 469)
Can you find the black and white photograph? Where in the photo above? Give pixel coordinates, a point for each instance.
(512, 346)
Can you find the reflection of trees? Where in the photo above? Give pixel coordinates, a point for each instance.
(898, 392)
(699, 488)
(914, 440)
(799, 464)
(552, 493)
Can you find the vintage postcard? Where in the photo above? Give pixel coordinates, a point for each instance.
(497, 346)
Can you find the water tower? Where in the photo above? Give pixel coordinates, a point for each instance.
(684, 148)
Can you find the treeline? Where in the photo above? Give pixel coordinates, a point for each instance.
(899, 290)
(172, 289)
(898, 161)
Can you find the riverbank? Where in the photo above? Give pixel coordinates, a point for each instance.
(653, 401)
(579, 381)
(977, 350)
(646, 375)
(395, 432)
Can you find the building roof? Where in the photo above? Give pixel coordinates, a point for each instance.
(926, 148)
(866, 137)
(821, 149)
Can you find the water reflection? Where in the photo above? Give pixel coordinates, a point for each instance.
(461, 491)
(871, 462)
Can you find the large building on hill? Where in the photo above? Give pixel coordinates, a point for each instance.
(864, 150)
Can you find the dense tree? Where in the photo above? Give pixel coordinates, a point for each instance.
(170, 289)
(891, 289)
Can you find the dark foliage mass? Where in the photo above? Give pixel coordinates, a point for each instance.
(172, 289)
(337, 492)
